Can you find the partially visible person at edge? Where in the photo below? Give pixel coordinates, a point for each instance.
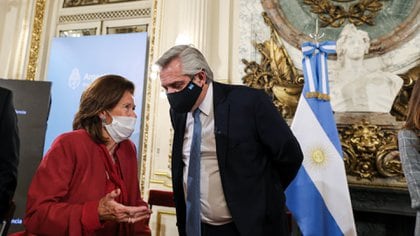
(409, 147)
(87, 182)
(248, 153)
(9, 150)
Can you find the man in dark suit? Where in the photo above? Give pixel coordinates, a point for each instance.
(9, 150)
(248, 155)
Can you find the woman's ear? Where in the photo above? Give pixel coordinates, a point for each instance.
(102, 116)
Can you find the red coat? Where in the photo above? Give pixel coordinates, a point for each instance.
(73, 176)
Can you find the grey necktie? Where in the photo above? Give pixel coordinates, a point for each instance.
(193, 226)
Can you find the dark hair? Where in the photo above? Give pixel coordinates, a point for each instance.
(413, 113)
(103, 94)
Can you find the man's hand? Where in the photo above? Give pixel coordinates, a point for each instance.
(109, 209)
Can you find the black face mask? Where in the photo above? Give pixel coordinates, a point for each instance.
(184, 100)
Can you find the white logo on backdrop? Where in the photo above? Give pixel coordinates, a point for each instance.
(88, 79)
(74, 79)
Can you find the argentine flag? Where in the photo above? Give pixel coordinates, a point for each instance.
(318, 197)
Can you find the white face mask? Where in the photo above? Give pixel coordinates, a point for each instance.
(121, 127)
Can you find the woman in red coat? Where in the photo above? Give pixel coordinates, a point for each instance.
(87, 182)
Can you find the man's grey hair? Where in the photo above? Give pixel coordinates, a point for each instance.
(191, 58)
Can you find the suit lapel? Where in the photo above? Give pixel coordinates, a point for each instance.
(221, 122)
(179, 120)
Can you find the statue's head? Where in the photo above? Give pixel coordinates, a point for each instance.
(352, 43)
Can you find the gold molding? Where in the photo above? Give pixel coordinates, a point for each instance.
(148, 98)
(162, 177)
(163, 174)
(276, 73)
(171, 140)
(400, 105)
(362, 12)
(164, 183)
(159, 219)
(35, 39)
(370, 151)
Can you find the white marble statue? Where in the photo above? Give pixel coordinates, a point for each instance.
(354, 88)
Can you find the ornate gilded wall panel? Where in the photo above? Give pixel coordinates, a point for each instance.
(370, 148)
(389, 23)
(276, 73)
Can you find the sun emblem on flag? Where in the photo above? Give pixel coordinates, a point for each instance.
(318, 156)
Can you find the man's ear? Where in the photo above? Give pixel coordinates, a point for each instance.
(203, 77)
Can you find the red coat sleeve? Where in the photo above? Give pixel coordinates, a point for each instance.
(48, 211)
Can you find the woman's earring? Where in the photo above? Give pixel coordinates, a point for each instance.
(103, 118)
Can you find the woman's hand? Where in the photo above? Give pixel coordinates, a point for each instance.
(109, 209)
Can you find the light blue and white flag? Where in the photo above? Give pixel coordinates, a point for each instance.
(319, 197)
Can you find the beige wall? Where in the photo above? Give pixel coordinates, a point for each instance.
(15, 21)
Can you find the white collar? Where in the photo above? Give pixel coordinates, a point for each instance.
(205, 106)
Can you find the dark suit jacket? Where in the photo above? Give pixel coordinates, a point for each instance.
(9, 149)
(258, 157)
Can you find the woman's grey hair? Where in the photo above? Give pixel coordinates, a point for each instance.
(348, 31)
(191, 58)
